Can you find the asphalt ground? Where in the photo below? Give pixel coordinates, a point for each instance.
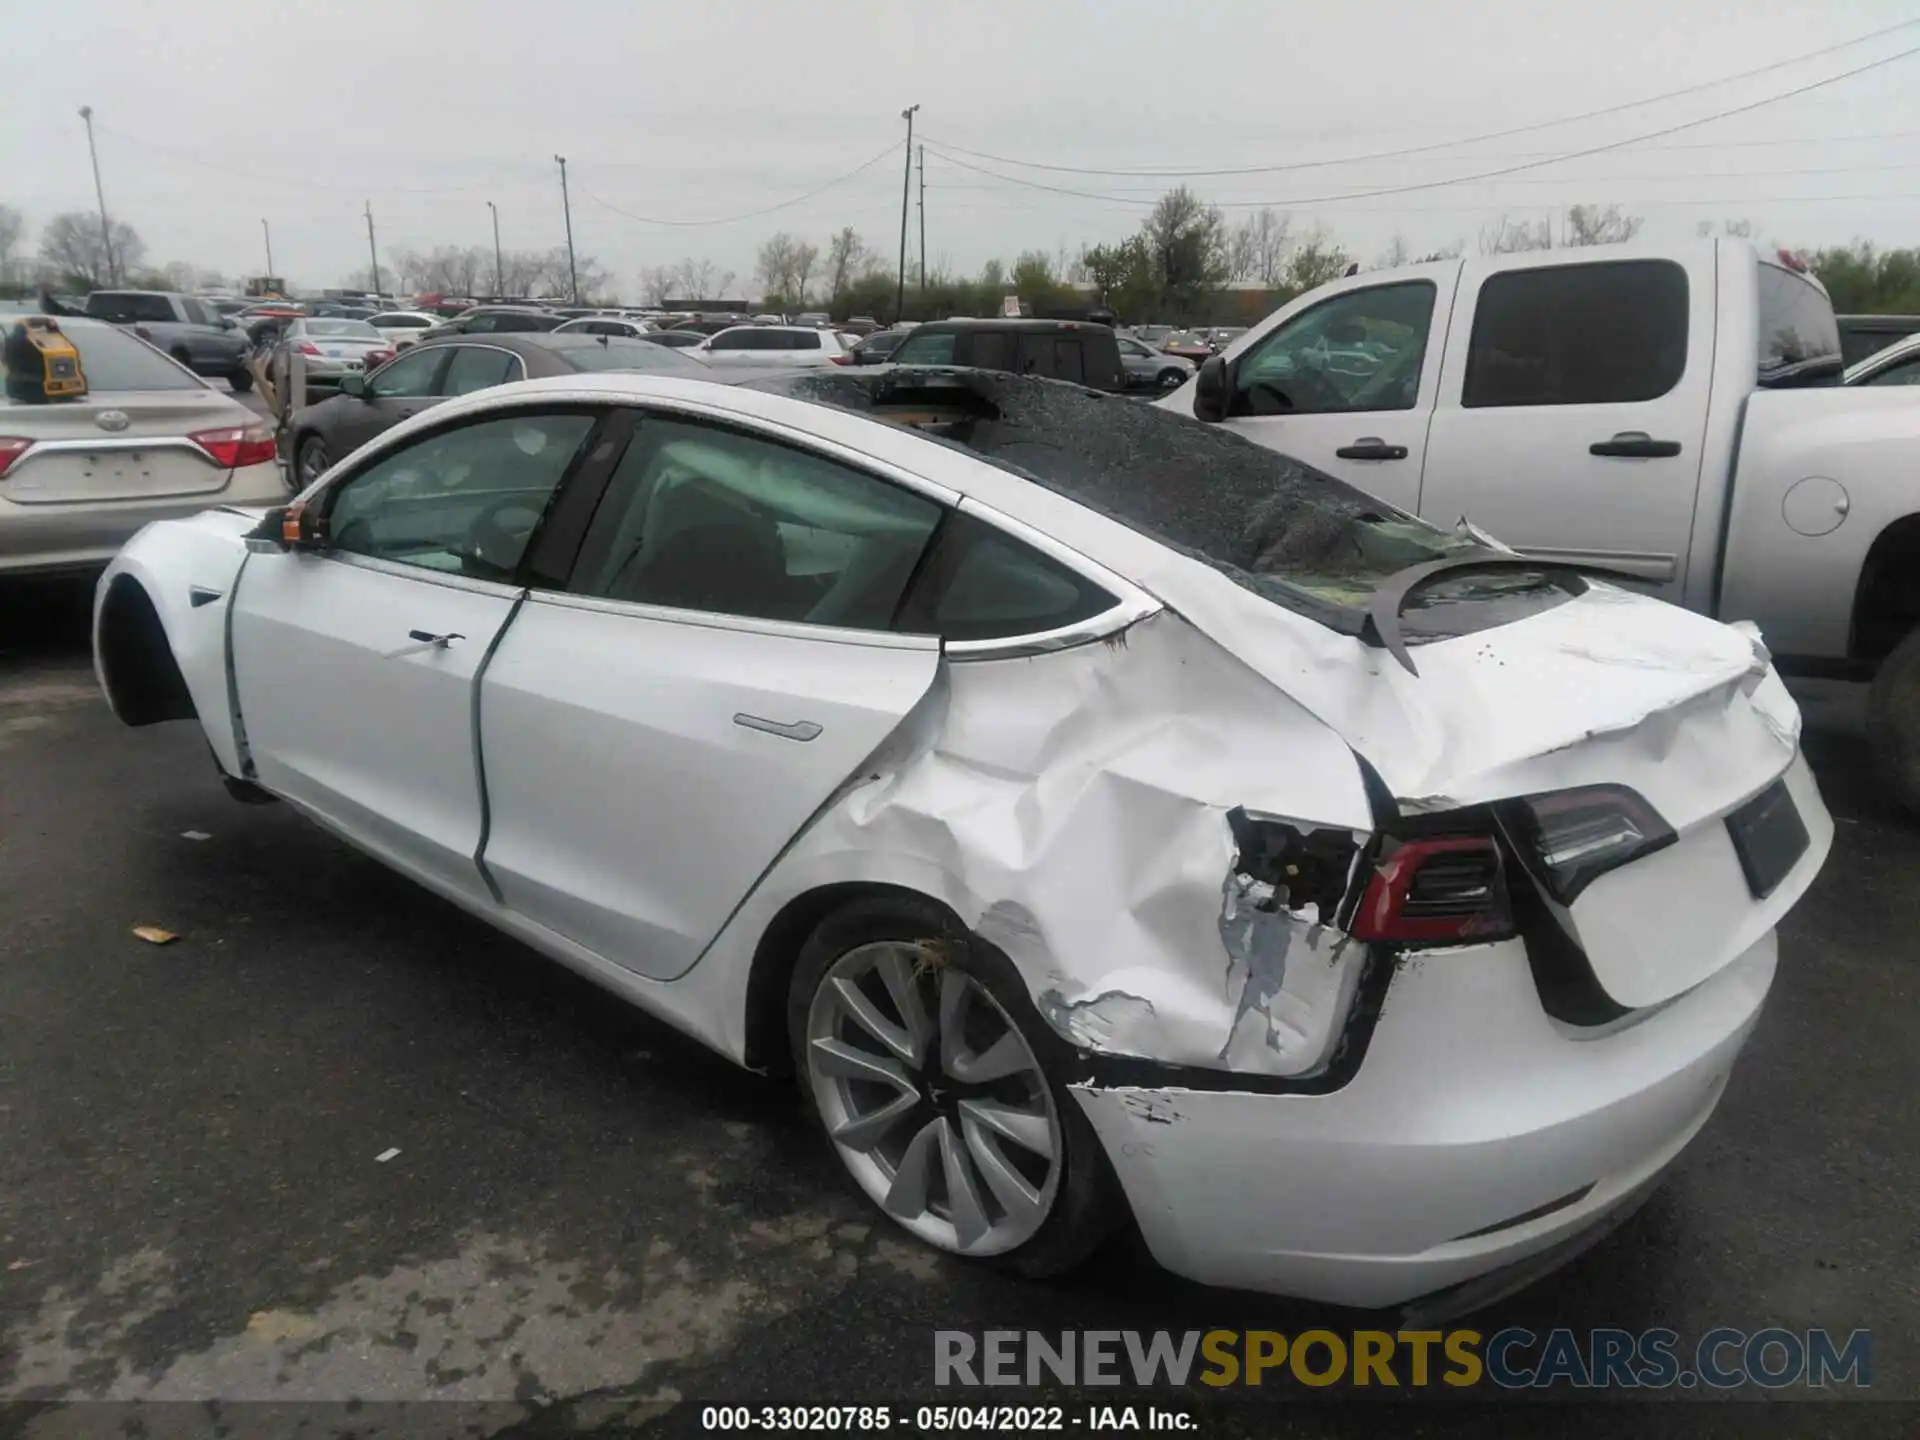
(591, 1223)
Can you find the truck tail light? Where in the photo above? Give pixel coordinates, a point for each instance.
(238, 446)
(1576, 836)
(1443, 888)
(12, 447)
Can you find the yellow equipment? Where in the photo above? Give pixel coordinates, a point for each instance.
(42, 364)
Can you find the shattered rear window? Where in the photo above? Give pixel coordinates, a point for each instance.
(1291, 534)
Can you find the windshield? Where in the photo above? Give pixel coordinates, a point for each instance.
(343, 330)
(113, 360)
(1287, 532)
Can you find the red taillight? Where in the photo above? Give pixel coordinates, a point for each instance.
(841, 359)
(307, 347)
(377, 357)
(12, 447)
(1794, 262)
(1446, 888)
(240, 445)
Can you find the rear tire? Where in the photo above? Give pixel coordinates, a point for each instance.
(1893, 723)
(1046, 1195)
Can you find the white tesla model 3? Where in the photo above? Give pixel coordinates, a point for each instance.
(1102, 816)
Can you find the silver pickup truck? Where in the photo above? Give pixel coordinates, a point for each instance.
(188, 329)
(1672, 413)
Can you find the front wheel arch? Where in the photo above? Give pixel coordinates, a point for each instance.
(137, 666)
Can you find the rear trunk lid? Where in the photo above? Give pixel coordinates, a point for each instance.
(118, 445)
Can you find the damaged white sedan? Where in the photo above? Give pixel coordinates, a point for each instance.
(1102, 816)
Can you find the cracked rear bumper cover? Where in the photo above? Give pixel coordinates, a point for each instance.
(1416, 1178)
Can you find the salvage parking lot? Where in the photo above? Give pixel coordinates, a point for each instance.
(340, 1140)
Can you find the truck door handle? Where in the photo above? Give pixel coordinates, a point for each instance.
(1636, 445)
(802, 730)
(1371, 447)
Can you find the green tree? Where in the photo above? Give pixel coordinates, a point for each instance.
(1188, 242)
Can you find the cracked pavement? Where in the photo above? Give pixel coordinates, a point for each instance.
(592, 1222)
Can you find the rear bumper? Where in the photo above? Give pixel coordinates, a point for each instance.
(79, 538)
(1478, 1135)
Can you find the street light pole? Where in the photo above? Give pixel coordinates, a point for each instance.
(268, 233)
(566, 204)
(923, 223)
(906, 192)
(499, 293)
(373, 254)
(106, 235)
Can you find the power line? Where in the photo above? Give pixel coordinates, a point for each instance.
(750, 214)
(1175, 172)
(1494, 174)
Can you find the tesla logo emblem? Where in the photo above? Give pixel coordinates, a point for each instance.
(112, 420)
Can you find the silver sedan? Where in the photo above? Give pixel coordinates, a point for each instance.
(330, 350)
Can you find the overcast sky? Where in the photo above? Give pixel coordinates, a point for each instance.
(210, 116)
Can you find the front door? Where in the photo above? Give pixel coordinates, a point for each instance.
(396, 391)
(356, 665)
(721, 666)
(1347, 386)
(1574, 409)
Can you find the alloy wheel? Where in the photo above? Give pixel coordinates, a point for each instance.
(933, 1098)
(313, 462)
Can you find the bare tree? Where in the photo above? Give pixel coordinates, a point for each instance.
(805, 258)
(1395, 256)
(1452, 251)
(1258, 250)
(71, 244)
(1507, 236)
(724, 283)
(1592, 225)
(658, 282)
(698, 277)
(12, 225)
(845, 251)
(773, 266)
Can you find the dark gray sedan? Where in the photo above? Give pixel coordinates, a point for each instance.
(438, 369)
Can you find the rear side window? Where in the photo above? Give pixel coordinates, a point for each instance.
(475, 368)
(119, 305)
(927, 350)
(980, 584)
(1610, 333)
(991, 350)
(796, 340)
(1797, 328)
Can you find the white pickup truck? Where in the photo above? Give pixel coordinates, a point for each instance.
(1668, 412)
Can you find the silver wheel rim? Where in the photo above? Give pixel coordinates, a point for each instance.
(313, 461)
(933, 1098)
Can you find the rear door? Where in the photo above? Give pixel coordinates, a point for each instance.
(718, 666)
(1573, 410)
(1347, 384)
(355, 666)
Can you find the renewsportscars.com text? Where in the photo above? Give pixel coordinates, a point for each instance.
(1512, 1359)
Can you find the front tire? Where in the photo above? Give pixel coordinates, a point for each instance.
(1171, 379)
(921, 1056)
(311, 460)
(241, 380)
(1893, 723)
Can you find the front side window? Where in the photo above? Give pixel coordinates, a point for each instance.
(1610, 333)
(1359, 351)
(476, 367)
(927, 349)
(196, 312)
(463, 501)
(700, 518)
(412, 374)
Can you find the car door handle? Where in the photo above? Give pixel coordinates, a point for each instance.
(1636, 445)
(423, 640)
(802, 730)
(1371, 447)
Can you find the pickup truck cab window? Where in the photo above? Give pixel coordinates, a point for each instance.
(462, 501)
(1362, 350)
(697, 517)
(1585, 334)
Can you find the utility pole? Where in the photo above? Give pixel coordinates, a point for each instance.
(923, 223)
(372, 254)
(906, 191)
(106, 235)
(499, 273)
(573, 275)
(265, 231)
